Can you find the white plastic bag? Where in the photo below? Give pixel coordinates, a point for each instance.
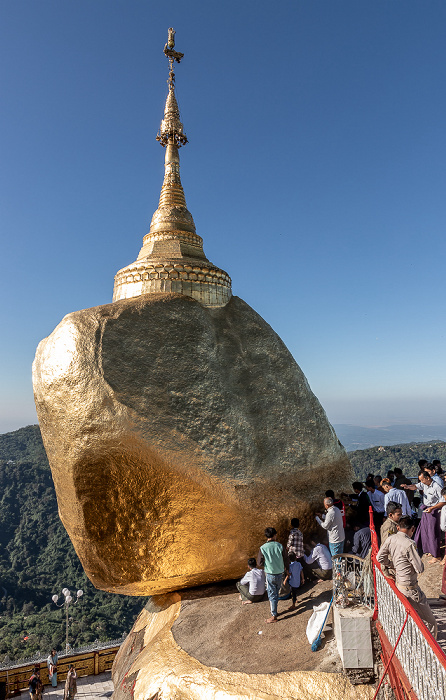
(443, 519)
(316, 621)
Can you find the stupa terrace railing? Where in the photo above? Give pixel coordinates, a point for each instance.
(88, 660)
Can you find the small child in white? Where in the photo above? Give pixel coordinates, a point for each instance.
(295, 577)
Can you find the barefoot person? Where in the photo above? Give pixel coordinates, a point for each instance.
(252, 585)
(274, 560)
(428, 532)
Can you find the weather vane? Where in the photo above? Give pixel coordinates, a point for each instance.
(171, 129)
(171, 54)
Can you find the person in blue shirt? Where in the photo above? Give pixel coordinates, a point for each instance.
(295, 577)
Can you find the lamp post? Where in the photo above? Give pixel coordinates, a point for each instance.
(68, 598)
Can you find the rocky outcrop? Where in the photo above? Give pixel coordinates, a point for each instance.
(150, 664)
(175, 434)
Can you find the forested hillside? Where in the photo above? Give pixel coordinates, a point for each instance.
(378, 460)
(37, 560)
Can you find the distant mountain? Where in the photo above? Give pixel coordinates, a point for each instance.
(356, 437)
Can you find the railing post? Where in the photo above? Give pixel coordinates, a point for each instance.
(96, 663)
(375, 549)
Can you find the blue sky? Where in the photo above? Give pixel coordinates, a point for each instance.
(315, 172)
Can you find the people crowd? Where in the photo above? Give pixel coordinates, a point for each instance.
(407, 527)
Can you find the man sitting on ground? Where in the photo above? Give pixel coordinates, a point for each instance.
(400, 552)
(389, 527)
(252, 585)
(318, 561)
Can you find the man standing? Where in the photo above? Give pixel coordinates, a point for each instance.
(389, 526)
(396, 495)
(332, 522)
(272, 556)
(296, 540)
(428, 533)
(400, 552)
(51, 662)
(377, 500)
(35, 684)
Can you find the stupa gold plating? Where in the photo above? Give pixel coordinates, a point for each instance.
(172, 258)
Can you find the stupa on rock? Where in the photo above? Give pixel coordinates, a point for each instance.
(172, 258)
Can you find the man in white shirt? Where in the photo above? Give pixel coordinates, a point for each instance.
(427, 535)
(332, 522)
(376, 498)
(318, 560)
(252, 585)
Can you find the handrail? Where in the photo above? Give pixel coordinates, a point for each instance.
(432, 642)
(407, 606)
(421, 659)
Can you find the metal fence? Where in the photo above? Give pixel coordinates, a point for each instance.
(352, 581)
(421, 659)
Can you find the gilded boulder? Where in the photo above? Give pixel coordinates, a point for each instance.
(175, 433)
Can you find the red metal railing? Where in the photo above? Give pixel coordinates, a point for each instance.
(418, 668)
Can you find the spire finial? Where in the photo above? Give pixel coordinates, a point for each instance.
(171, 129)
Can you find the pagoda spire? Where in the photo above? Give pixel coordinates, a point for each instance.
(172, 258)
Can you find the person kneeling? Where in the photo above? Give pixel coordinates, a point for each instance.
(252, 585)
(295, 577)
(318, 562)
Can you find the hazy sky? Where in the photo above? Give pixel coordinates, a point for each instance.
(315, 172)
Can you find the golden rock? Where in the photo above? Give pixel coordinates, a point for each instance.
(150, 664)
(176, 433)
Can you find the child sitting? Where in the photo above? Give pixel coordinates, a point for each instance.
(252, 585)
(295, 577)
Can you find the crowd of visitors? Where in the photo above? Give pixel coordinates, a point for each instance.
(407, 527)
